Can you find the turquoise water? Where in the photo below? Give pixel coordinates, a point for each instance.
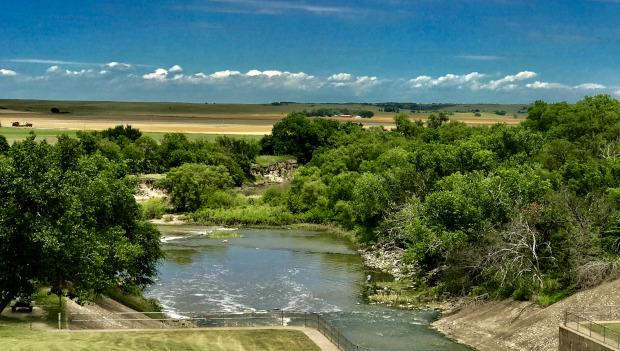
(285, 269)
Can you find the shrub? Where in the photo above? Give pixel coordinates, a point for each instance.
(153, 208)
(249, 215)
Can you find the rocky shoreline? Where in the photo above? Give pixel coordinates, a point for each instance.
(386, 258)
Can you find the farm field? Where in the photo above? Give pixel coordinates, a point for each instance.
(13, 339)
(232, 119)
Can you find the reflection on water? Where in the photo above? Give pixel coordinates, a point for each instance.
(286, 269)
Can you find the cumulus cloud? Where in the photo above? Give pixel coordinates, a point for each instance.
(119, 66)
(269, 73)
(340, 77)
(7, 73)
(508, 81)
(470, 80)
(546, 85)
(223, 74)
(159, 74)
(357, 84)
(176, 69)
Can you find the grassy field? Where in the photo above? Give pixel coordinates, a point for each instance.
(15, 134)
(164, 108)
(14, 338)
(237, 119)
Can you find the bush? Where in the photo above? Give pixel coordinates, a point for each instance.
(274, 196)
(222, 199)
(153, 208)
(249, 215)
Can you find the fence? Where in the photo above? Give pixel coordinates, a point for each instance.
(596, 330)
(151, 320)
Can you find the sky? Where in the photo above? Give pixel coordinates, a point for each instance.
(249, 51)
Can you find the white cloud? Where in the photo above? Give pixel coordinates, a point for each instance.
(117, 66)
(53, 69)
(590, 86)
(546, 85)
(340, 77)
(159, 74)
(7, 73)
(224, 74)
(509, 79)
(268, 73)
(59, 71)
(176, 69)
(470, 80)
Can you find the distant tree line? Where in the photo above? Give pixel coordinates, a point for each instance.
(330, 112)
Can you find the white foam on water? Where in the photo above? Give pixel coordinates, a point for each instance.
(166, 239)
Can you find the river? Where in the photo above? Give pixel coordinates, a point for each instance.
(293, 270)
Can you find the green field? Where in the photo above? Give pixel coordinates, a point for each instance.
(50, 135)
(122, 108)
(18, 339)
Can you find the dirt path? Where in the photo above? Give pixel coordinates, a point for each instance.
(514, 325)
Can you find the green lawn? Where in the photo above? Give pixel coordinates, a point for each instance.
(14, 339)
(16, 134)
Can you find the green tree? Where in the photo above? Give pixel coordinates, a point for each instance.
(4, 145)
(436, 120)
(69, 223)
(190, 184)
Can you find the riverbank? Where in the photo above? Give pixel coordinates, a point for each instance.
(510, 325)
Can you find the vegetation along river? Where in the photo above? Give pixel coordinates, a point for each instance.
(285, 269)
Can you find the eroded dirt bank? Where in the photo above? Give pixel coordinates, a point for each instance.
(514, 325)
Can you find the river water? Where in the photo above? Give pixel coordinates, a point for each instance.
(285, 269)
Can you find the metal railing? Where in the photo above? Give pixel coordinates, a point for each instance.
(271, 318)
(596, 330)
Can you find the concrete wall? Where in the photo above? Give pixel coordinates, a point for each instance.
(571, 340)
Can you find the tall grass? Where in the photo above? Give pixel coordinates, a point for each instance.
(247, 215)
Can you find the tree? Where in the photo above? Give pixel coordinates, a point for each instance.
(4, 145)
(71, 224)
(405, 127)
(299, 136)
(366, 114)
(435, 121)
(190, 184)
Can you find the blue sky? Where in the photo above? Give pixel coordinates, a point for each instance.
(314, 50)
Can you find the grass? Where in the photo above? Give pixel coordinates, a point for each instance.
(136, 302)
(51, 304)
(50, 135)
(15, 339)
(267, 160)
(126, 108)
(246, 215)
(16, 134)
(223, 234)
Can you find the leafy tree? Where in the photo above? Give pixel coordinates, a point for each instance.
(70, 223)
(436, 120)
(190, 184)
(4, 145)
